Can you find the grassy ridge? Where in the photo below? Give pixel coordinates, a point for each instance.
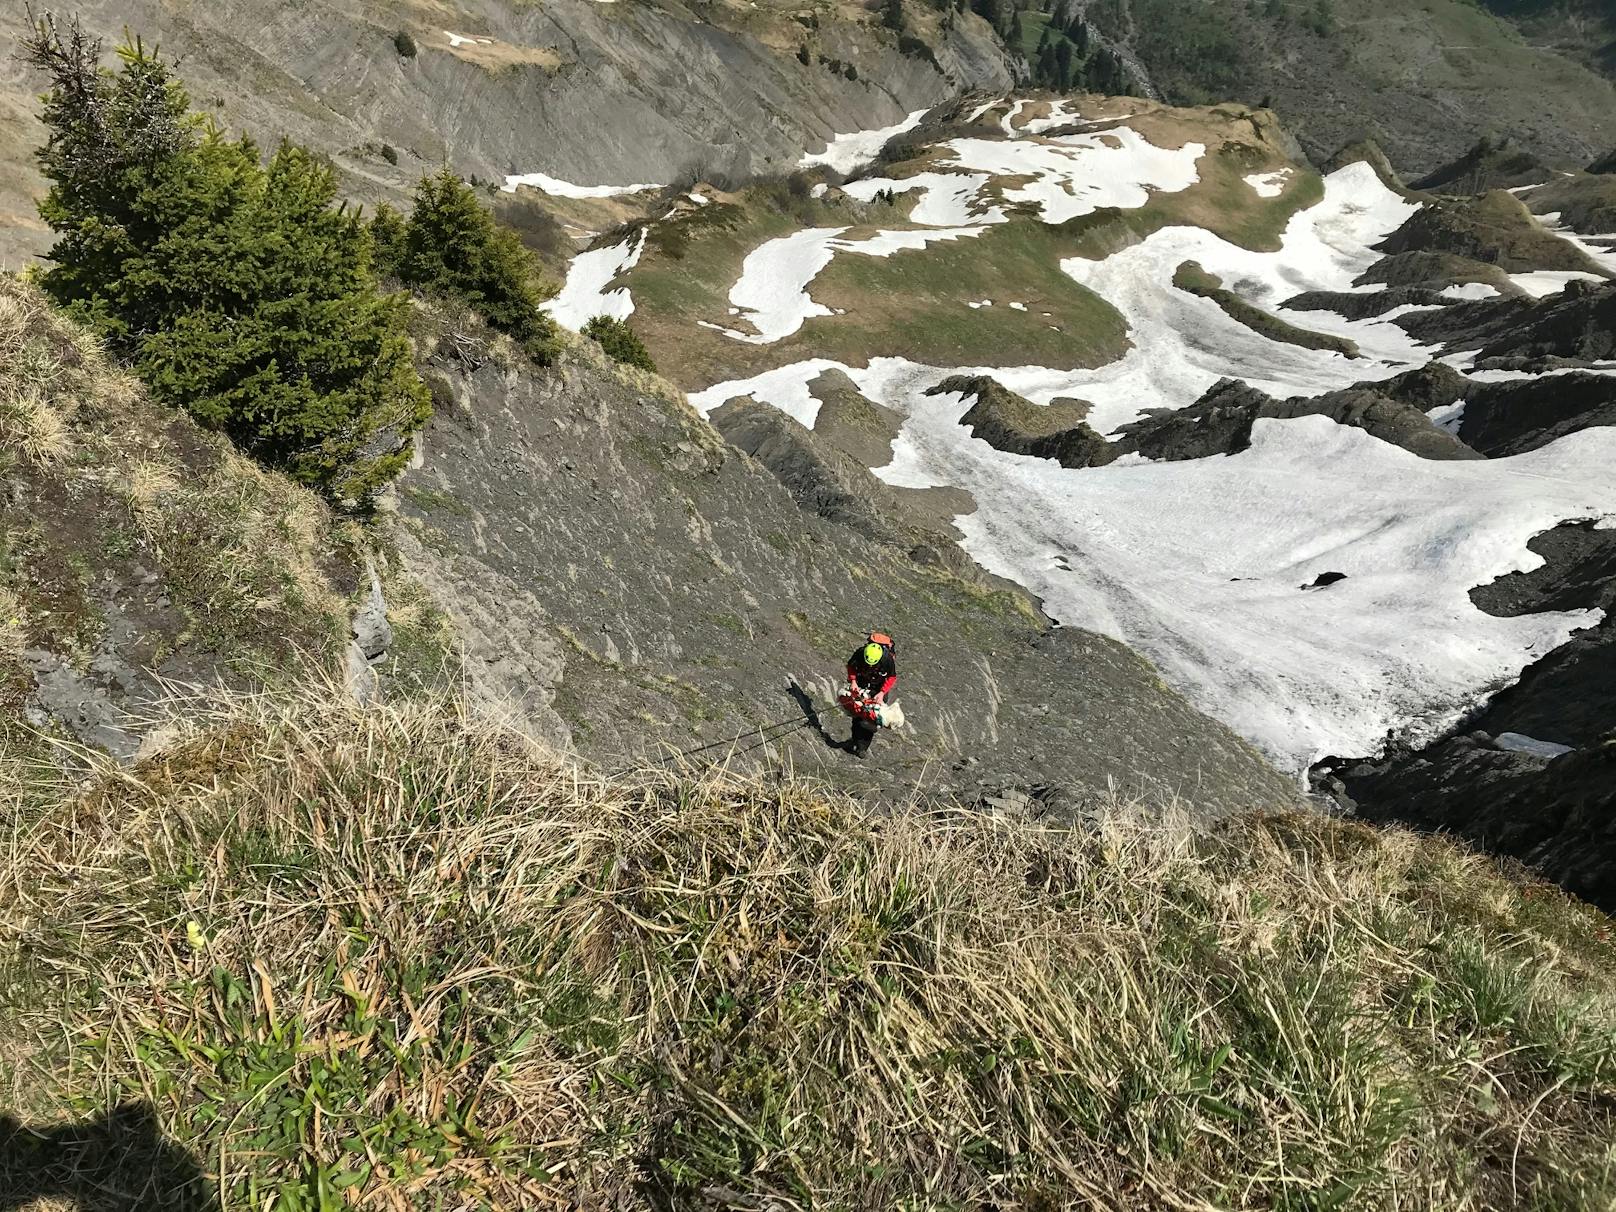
(403, 959)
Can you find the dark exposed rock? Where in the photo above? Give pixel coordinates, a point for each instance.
(1485, 167)
(1495, 229)
(1366, 306)
(1519, 415)
(1016, 425)
(1577, 325)
(1325, 579)
(1605, 164)
(1570, 695)
(1220, 423)
(1559, 815)
(1435, 271)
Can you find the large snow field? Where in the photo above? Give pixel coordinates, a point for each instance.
(1200, 564)
(846, 152)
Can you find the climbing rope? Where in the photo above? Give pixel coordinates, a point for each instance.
(766, 733)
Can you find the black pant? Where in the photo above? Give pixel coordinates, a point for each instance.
(863, 733)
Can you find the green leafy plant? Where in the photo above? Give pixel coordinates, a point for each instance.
(620, 342)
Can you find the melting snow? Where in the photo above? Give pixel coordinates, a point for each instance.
(1466, 291)
(558, 188)
(946, 198)
(584, 295)
(459, 40)
(846, 152)
(981, 109)
(1269, 185)
(1516, 742)
(772, 292)
(1078, 174)
(1058, 116)
(1183, 344)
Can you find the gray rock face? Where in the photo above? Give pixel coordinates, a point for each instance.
(1012, 423)
(587, 92)
(1511, 417)
(1486, 167)
(1220, 422)
(1573, 328)
(691, 598)
(1556, 815)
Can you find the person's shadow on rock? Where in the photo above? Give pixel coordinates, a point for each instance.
(812, 714)
(119, 1163)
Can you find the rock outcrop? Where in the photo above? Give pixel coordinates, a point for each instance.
(1014, 424)
(1220, 422)
(1574, 327)
(1487, 166)
(1495, 229)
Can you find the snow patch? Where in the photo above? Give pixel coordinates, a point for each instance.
(558, 188)
(1516, 742)
(458, 40)
(846, 152)
(1076, 175)
(1268, 185)
(772, 292)
(1469, 291)
(584, 294)
(947, 199)
(1448, 416)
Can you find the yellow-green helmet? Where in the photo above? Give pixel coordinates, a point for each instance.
(873, 654)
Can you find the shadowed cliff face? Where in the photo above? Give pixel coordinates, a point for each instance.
(675, 587)
(589, 92)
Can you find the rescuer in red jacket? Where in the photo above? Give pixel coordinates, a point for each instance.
(872, 672)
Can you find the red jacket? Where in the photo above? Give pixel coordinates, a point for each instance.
(877, 679)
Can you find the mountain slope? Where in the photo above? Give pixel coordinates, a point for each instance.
(587, 92)
(632, 582)
(1311, 586)
(1424, 80)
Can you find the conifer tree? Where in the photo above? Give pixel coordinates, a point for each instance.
(241, 294)
(452, 246)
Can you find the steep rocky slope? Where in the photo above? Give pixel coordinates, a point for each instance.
(587, 92)
(636, 585)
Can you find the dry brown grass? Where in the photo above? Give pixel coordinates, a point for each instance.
(412, 958)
